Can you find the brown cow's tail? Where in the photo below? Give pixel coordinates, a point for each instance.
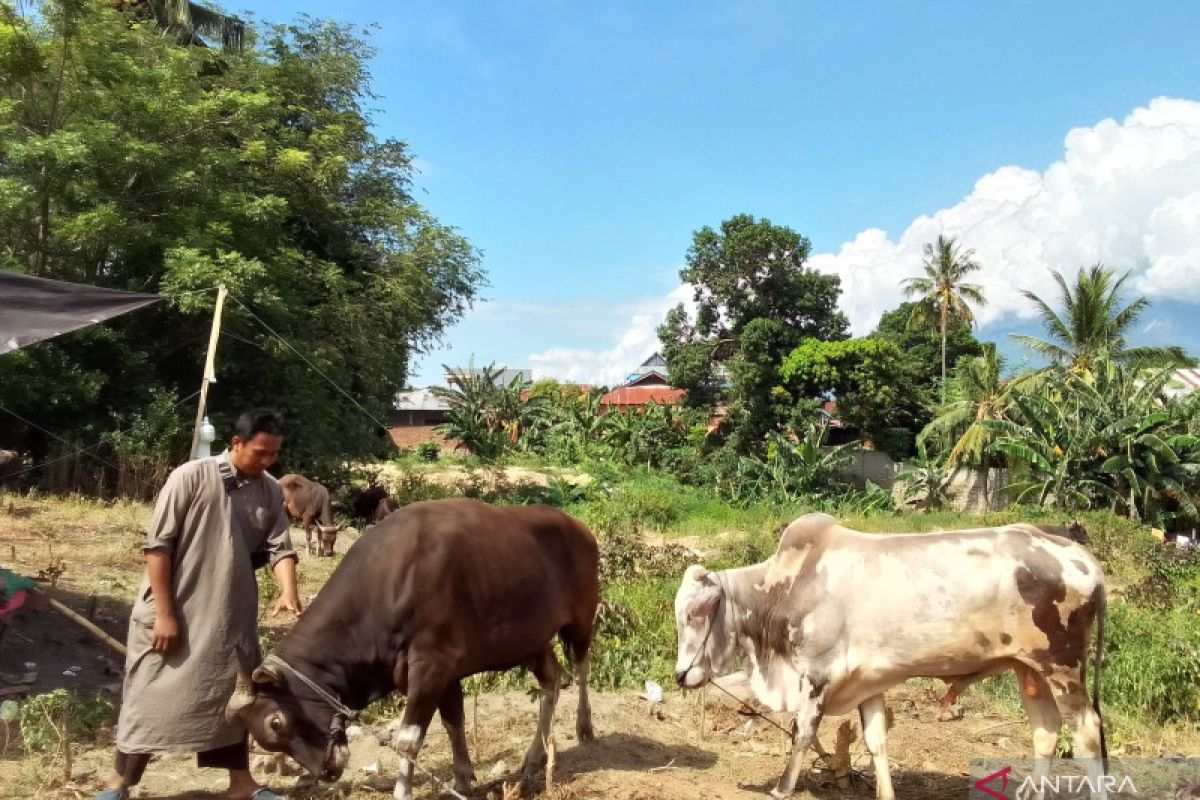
(1101, 614)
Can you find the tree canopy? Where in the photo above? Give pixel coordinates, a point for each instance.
(129, 161)
(756, 300)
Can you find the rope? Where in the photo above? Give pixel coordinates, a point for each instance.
(83, 450)
(753, 711)
(334, 703)
(305, 359)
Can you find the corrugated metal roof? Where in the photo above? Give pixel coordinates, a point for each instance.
(420, 400)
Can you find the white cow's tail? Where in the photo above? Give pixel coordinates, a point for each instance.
(1102, 612)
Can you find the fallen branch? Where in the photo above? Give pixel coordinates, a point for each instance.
(665, 766)
(88, 626)
(997, 725)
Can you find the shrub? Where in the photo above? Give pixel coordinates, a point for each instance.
(1153, 666)
(55, 719)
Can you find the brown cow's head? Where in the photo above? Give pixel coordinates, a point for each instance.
(281, 722)
(327, 537)
(703, 641)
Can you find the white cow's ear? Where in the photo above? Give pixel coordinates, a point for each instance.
(695, 573)
(704, 603)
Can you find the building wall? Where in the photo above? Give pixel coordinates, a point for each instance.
(970, 490)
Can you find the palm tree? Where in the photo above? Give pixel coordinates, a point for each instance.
(191, 21)
(943, 295)
(1092, 328)
(977, 392)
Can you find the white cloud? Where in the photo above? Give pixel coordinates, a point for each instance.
(1124, 193)
(636, 340)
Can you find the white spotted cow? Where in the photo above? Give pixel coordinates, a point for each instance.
(836, 617)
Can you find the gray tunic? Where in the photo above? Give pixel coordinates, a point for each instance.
(177, 702)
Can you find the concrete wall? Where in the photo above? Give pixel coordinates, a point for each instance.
(968, 487)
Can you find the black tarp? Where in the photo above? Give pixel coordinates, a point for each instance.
(33, 309)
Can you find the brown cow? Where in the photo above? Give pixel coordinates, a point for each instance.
(10, 467)
(385, 507)
(438, 591)
(308, 502)
(364, 502)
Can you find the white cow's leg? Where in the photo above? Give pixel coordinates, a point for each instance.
(873, 712)
(546, 672)
(1085, 739)
(453, 719)
(808, 717)
(1046, 722)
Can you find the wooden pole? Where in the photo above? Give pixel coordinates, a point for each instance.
(210, 374)
(92, 629)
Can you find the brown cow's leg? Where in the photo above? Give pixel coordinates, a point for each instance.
(808, 717)
(453, 719)
(578, 647)
(418, 711)
(583, 713)
(545, 669)
(308, 543)
(873, 712)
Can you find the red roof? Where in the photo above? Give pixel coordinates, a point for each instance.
(642, 395)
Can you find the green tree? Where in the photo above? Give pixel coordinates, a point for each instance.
(860, 373)
(944, 296)
(1092, 328)
(131, 162)
(977, 392)
(927, 482)
(750, 280)
(484, 413)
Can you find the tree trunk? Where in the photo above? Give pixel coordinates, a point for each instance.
(943, 351)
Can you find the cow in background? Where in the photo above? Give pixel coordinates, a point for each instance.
(11, 466)
(383, 508)
(308, 502)
(365, 503)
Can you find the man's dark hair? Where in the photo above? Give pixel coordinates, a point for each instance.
(252, 423)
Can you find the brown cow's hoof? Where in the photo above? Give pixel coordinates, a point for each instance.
(586, 734)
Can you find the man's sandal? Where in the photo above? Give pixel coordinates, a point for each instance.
(112, 794)
(263, 793)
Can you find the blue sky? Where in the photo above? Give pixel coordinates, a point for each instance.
(578, 145)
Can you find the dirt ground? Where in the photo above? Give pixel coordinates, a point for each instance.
(637, 755)
(667, 755)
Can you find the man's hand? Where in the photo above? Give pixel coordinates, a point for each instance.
(166, 632)
(288, 602)
(289, 595)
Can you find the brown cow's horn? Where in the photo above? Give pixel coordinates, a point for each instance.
(242, 698)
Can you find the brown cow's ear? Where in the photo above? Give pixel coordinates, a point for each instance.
(265, 676)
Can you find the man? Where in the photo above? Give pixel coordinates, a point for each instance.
(195, 620)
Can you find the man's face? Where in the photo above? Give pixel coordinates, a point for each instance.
(252, 457)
